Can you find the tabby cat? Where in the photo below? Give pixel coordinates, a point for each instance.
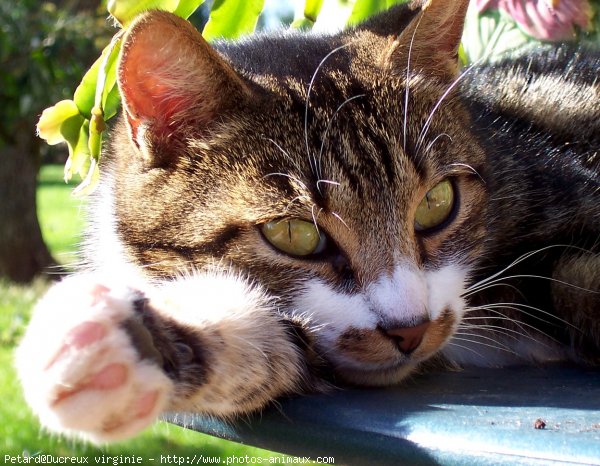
(292, 211)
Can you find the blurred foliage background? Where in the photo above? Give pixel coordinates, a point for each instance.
(45, 47)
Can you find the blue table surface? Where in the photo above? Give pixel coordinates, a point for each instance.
(482, 416)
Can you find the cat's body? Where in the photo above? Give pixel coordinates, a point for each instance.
(212, 290)
(543, 138)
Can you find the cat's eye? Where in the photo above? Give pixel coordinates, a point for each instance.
(294, 236)
(435, 208)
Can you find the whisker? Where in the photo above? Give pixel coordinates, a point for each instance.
(334, 183)
(507, 332)
(326, 132)
(283, 151)
(297, 198)
(293, 178)
(407, 87)
(469, 167)
(336, 215)
(430, 145)
(521, 325)
(486, 344)
(451, 343)
(316, 219)
(446, 93)
(310, 86)
(555, 280)
(520, 259)
(541, 311)
(502, 198)
(497, 315)
(483, 337)
(487, 287)
(495, 329)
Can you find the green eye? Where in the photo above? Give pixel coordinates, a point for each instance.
(293, 236)
(435, 207)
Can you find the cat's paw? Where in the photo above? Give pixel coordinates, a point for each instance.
(80, 372)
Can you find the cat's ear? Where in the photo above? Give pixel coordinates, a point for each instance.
(172, 82)
(430, 41)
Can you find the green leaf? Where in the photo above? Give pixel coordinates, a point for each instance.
(86, 91)
(111, 103)
(364, 9)
(97, 127)
(232, 18)
(76, 132)
(187, 7)
(90, 181)
(85, 94)
(124, 11)
(391, 3)
(97, 89)
(50, 125)
(70, 130)
(303, 24)
(110, 81)
(462, 55)
(312, 9)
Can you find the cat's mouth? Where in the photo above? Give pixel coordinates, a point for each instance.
(371, 355)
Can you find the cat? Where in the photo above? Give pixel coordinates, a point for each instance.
(293, 211)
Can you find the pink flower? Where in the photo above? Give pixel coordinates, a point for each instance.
(544, 19)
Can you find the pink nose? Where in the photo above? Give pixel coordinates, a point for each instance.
(408, 338)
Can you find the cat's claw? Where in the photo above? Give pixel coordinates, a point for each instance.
(92, 382)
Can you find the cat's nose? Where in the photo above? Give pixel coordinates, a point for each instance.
(408, 339)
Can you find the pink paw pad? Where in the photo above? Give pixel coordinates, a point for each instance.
(111, 376)
(108, 378)
(97, 293)
(146, 403)
(85, 334)
(79, 337)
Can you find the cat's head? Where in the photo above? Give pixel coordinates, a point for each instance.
(338, 172)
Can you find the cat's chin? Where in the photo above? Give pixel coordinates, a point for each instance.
(373, 357)
(394, 373)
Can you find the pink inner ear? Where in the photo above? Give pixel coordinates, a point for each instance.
(148, 77)
(170, 78)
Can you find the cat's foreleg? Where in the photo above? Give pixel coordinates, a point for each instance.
(102, 360)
